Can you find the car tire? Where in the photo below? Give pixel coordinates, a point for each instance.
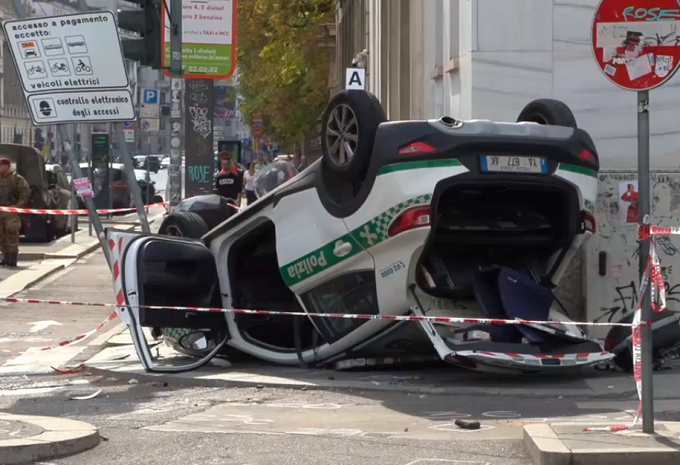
(548, 111)
(184, 224)
(362, 116)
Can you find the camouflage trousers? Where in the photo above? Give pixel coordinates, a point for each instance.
(10, 227)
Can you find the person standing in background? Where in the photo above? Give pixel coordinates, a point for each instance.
(249, 183)
(260, 163)
(14, 192)
(229, 180)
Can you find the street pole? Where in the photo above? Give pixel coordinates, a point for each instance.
(176, 141)
(133, 185)
(91, 209)
(644, 211)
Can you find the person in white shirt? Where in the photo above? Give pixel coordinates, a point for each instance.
(249, 183)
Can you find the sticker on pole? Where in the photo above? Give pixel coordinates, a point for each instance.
(83, 187)
(71, 68)
(637, 44)
(208, 38)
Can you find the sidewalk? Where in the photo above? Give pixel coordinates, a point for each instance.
(27, 439)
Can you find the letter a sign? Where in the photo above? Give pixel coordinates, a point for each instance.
(355, 78)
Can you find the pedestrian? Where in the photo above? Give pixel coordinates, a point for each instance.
(14, 192)
(260, 162)
(249, 183)
(229, 180)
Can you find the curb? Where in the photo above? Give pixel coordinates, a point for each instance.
(58, 438)
(341, 385)
(547, 447)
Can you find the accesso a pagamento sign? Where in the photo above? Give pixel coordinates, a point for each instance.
(636, 44)
(71, 68)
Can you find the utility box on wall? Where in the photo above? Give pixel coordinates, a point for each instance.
(612, 273)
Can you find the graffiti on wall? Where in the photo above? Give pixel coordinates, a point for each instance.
(200, 159)
(614, 295)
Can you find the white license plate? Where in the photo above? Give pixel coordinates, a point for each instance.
(511, 164)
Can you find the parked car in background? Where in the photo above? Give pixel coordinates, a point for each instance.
(165, 163)
(153, 161)
(58, 182)
(46, 192)
(120, 193)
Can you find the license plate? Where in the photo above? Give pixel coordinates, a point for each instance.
(512, 164)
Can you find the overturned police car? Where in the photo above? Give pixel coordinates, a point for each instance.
(448, 218)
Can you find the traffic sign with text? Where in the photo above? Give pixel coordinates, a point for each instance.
(71, 68)
(636, 44)
(150, 107)
(208, 38)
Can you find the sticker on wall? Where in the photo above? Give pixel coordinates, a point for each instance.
(616, 271)
(629, 197)
(663, 65)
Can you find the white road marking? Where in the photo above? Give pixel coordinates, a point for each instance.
(41, 325)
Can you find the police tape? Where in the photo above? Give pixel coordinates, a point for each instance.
(105, 211)
(70, 341)
(355, 316)
(42, 211)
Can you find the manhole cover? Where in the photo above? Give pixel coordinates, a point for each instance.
(9, 383)
(10, 429)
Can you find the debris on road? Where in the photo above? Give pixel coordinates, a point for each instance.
(465, 424)
(87, 397)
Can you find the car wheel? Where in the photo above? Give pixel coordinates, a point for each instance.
(184, 224)
(348, 129)
(548, 111)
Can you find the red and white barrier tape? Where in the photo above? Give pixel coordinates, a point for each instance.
(73, 340)
(42, 211)
(435, 319)
(81, 337)
(652, 277)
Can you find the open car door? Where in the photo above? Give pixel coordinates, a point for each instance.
(167, 272)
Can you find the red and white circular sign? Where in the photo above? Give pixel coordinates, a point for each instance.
(637, 43)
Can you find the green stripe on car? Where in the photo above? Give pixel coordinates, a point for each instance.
(367, 235)
(578, 169)
(414, 165)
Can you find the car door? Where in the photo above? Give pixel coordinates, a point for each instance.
(321, 262)
(162, 271)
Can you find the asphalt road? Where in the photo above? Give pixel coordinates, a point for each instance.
(30, 326)
(150, 424)
(153, 424)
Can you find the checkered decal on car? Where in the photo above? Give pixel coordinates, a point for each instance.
(177, 333)
(375, 231)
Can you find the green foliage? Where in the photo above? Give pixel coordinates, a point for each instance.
(282, 73)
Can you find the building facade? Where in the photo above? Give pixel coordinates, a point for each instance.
(485, 59)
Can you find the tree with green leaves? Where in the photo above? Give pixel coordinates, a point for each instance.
(282, 72)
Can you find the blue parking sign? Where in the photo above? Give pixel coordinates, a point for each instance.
(150, 96)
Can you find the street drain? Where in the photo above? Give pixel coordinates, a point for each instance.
(8, 383)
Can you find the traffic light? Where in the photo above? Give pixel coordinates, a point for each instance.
(147, 22)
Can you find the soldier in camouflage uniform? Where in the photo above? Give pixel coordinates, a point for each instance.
(14, 192)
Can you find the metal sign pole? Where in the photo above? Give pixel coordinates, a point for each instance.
(132, 180)
(644, 211)
(91, 210)
(176, 142)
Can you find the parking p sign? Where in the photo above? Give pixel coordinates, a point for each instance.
(150, 107)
